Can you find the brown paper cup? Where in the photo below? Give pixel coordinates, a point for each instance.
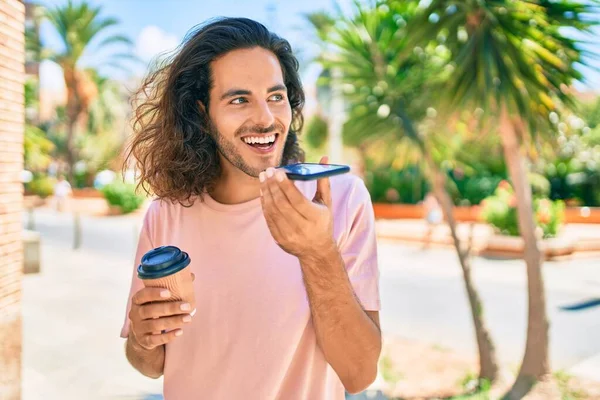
(167, 267)
(179, 284)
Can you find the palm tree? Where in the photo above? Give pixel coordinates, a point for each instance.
(387, 102)
(513, 60)
(107, 106)
(79, 26)
(104, 135)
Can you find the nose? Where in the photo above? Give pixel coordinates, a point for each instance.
(262, 115)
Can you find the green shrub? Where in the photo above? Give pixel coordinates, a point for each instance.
(574, 173)
(41, 185)
(122, 195)
(473, 189)
(500, 210)
(407, 186)
(316, 132)
(593, 138)
(540, 185)
(83, 179)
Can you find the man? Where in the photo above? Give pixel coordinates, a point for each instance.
(286, 276)
(62, 191)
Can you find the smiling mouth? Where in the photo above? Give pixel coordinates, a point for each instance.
(262, 143)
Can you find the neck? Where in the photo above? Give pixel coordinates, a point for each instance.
(234, 186)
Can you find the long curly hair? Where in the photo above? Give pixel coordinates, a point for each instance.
(175, 155)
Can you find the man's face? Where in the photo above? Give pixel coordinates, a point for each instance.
(249, 110)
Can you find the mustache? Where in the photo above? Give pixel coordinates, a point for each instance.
(275, 127)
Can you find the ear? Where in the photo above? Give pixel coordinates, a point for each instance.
(201, 106)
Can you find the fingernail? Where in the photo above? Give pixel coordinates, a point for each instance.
(193, 312)
(269, 172)
(185, 307)
(165, 293)
(179, 333)
(187, 318)
(279, 176)
(261, 176)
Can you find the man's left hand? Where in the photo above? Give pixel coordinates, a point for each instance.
(299, 226)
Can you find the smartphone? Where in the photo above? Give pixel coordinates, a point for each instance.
(311, 171)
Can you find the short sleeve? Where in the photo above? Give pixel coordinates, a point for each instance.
(359, 249)
(144, 245)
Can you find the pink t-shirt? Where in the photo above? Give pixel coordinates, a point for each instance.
(252, 335)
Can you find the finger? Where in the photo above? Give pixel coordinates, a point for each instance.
(266, 200)
(300, 203)
(152, 341)
(164, 324)
(164, 309)
(149, 294)
(280, 200)
(283, 215)
(323, 195)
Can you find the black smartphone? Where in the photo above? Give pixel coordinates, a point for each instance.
(311, 171)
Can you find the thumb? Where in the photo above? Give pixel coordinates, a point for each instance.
(323, 195)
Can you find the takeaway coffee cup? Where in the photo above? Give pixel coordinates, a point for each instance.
(166, 267)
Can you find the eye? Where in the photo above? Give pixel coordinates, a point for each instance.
(238, 100)
(277, 97)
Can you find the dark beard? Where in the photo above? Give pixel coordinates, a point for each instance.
(231, 152)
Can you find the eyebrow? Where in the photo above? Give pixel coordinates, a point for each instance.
(243, 92)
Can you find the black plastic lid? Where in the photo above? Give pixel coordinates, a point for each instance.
(162, 261)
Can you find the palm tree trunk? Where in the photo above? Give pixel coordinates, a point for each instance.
(71, 158)
(535, 365)
(487, 354)
(73, 112)
(488, 364)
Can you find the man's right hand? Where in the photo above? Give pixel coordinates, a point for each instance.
(150, 315)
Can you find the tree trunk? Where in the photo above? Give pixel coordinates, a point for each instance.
(488, 365)
(535, 365)
(73, 109)
(71, 158)
(487, 354)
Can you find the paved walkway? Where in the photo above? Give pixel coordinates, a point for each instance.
(588, 368)
(72, 315)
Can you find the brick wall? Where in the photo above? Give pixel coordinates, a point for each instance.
(12, 115)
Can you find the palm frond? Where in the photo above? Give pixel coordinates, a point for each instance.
(78, 25)
(514, 53)
(115, 39)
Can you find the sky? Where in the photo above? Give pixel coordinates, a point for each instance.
(156, 26)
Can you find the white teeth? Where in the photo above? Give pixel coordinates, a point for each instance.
(260, 139)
